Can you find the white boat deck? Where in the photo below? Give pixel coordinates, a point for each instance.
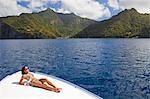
(10, 89)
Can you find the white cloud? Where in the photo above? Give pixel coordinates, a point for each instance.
(113, 3)
(54, 1)
(23, 0)
(10, 7)
(37, 5)
(142, 6)
(85, 8)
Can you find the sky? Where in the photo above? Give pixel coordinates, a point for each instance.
(92, 9)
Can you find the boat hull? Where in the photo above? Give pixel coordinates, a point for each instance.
(9, 88)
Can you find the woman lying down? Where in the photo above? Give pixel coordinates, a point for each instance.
(32, 81)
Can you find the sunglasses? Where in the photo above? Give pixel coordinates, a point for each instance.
(26, 68)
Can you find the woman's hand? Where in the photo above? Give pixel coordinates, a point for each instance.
(21, 81)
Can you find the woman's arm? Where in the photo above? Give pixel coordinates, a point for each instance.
(21, 81)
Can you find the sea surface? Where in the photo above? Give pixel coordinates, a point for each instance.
(110, 68)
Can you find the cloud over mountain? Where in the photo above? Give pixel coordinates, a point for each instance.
(142, 6)
(10, 7)
(85, 8)
(92, 9)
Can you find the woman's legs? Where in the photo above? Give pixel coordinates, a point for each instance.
(40, 85)
(43, 80)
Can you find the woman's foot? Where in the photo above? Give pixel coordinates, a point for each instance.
(57, 90)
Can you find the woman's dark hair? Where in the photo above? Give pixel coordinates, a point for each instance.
(22, 70)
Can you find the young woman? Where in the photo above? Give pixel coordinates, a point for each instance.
(32, 81)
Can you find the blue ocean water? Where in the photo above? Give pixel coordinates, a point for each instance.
(110, 68)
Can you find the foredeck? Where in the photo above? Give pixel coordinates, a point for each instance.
(10, 89)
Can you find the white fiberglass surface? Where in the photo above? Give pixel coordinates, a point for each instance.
(9, 88)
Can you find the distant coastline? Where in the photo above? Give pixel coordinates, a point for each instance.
(51, 25)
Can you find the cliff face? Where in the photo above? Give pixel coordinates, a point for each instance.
(7, 32)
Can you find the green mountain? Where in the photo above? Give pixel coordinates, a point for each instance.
(127, 24)
(45, 24)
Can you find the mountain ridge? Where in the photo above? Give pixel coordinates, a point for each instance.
(44, 24)
(126, 24)
(49, 24)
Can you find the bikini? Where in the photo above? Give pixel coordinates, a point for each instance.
(30, 78)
